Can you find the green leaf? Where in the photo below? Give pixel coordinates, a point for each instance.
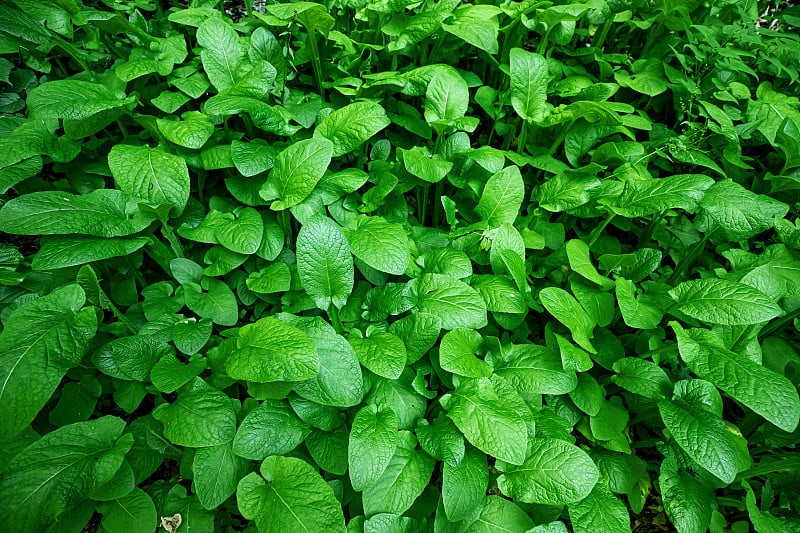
(150, 174)
(554, 473)
(642, 198)
(566, 309)
(529, 79)
(223, 55)
(687, 501)
(218, 302)
(419, 162)
(351, 126)
(40, 341)
(134, 513)
(169, 374)
(464, 485)
(272, 428)
(491, 415)
(73, 99)
(642, 377)
(457, 354)
(58, 251)
(721, 301)
(294, 497)
(403, 480)
(202, 416)
(738, 212)
(373, 440)
(240, 231)
(191, 132)
(764, 391)
(562, 192)
(103, 213)
(477, 25)
(272, 350)
(252, 157)
(500, 516)
(502, 197)
(59, 471)
(581, 262)
(190, 334)
(324, 263)
(766, 522)
(533, 368)
(454, 302)
(381, 353)
(380, 244)
(693, 430)
(272, 279)
(635, 312)
(297, 171)
(447, 96)
(441, 440)
(599, 511)
(130, 358)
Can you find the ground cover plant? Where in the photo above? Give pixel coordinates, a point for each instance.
(399, 266)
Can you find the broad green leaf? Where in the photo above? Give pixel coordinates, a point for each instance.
(351, 126)
(272, 279)
(447, 97)
(150, 174)
(373, 440)
(59, 471)
(382, 353)
(252, 157)
(271, 350)
(40, 341)
(329, 449)
(533, 368)
(408, 404)
(500, 294)
(721, 301)
(693, 431)
(738, 212)
(764, 391)
(18, 172)
(581, 262)
(202, 416)
(561, 192)
(130, 358)
(491, 416)
(454, 302)
(388, 523)
(297, 171)
(502, 197)
(599, 511)
(687, 501)
(103, 213)
(464, 485)
(441, 440)
(240, 231)
(324, 263)
(169, 374)
(500, 515)
(73, 99)
(403, 480)
(294, 497)
(218, 302)
(566, 309)
(529, 79)
(457, 354)
(59, 251)
(635, 312)
(380, 244)
(770, 108)
(419, 162)
(554, 473)
(272, 428)
(191, 132)
(223, 55)
(642, 198)
(419, 333)
(134, 513)
(642, 377)
(764, 521)
(476, 24)
(634, 266)
(190, 334)
(588, 395)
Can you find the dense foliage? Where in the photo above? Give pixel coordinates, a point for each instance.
(399, 266)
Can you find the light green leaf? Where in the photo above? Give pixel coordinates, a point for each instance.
(380, 244)
(130, 358)
(687, 501)
(218, 302)
(191, 132)
(223, 55)
(40, 341)
(566, 309)
(764, 391)
(382, 353)
(134, 513)
(441, 440)
(501, 516)
(73, 99)
(491, 416)
(502, 197)
(554, 473)
(58, 251)
(150, 174)
(373, 440)
(272, 279)
(529, 79)
(738, 212)
(635, 312)
(190, 334)
(581, 262)
(403, 480)
(456, 303)
(324, 263)
(240, 231)
(169, 374)
(297, 171)
(476, 24)
(272, 428)
(202, 416)
(642, 377)
(351, 126)
(447, 96)
(103, 213)
(464, 485)
(293, 498)
(457, 354)
(642, 198)
(599, 511)
(252, 157)
(419, 162)
(561, 192)
(721, 301)
(533, 368)
(59, 471)
(271, 350)
(693, 431)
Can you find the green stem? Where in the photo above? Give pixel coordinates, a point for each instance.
(523, 137)
(73, 53)
(598, 42)
(560, 137)
(691, 255)
(651, 227)
(790, 464)
(599, 229)
(543, 43)
(248, 4)
(776, 325)
(333, 314)
(174, 243)
(437, 203)
(316, 64)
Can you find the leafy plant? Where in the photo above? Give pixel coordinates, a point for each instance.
(399, 266)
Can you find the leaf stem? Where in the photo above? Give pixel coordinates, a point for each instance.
(316, 64)
(175, 244)
(333, 314)
(599, 229)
